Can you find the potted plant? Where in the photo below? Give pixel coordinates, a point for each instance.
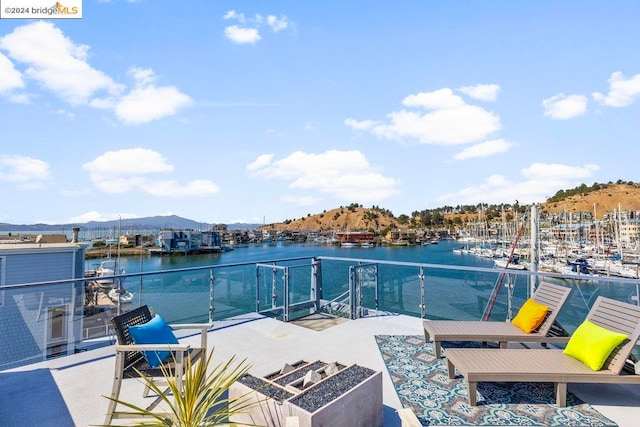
(204, 399)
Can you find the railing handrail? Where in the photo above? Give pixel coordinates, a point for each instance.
(342, 259)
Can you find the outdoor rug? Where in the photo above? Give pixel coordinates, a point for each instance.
(422, 384)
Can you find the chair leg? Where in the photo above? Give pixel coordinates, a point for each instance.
(472, 393)
(115, 389)
(561, 394)
(147, 389)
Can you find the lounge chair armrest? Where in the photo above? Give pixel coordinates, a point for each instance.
(152, 347)
(204, 327)
(201, 326)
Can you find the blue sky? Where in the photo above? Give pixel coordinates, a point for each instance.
(252, 111)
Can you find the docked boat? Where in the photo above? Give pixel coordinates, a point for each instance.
(349, 244)
(504, 263)
(105, 272)
(121, 294)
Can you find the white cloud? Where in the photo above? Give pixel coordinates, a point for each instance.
(563, 107)
(553, 171)
(142, 76)
(277, 24)
(441, 99)
(61, 66)
(125, 171)
(58, 64)
(242, 35)
(249, 30)
(128, 161)
(143, 105)
(10, 78)
(232, 14)
(343, 174)
(482, 92)
(539, 181)
(25, 172)
(484, 149)
(262, 161)
(360, 125)
(448, 120)
(622, 91)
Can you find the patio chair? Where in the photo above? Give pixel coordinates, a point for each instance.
(553, 296)
(131, 357)
(553, 365)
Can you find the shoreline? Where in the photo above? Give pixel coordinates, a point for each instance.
(94, 253)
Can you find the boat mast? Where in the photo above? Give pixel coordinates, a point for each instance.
(535, 249)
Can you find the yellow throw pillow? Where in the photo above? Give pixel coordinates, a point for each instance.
(592, 344)
(530, 316)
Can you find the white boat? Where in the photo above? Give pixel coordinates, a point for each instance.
(504, 263)
(122, 294)
(104, 273)
(348, 244)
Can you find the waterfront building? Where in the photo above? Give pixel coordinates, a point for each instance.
(39, 322)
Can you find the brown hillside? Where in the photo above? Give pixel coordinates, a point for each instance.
(607, 199)
(352, 219)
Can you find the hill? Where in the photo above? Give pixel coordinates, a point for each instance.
(353, 217)
(350, 218)
(610, 197)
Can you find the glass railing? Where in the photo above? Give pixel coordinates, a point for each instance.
(51, 319)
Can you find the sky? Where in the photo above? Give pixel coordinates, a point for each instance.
(263, 111)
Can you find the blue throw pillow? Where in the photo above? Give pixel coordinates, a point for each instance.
(155, 331)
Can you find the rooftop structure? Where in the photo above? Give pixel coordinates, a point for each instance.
(362, 299)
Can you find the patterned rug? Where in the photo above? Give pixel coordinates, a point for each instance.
(422, 383)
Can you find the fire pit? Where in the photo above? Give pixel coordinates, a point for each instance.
(315, 394)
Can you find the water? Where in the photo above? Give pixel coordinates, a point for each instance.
(432, 254)
(449, 294)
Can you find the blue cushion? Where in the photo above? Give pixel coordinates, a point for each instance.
(155, 331)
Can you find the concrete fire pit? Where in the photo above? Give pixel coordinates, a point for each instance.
(313, 394)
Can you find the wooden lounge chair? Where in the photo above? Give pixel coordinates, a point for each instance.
(553, 296)
(540, 365)
(129, 356)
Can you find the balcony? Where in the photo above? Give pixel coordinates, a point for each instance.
(67, 357)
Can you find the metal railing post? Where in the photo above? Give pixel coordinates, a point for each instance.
(274, 288)
(423, 307)
(316, 284)
(211, 300)
(352, 293)
(377, 288)
(257, 288)
(285, 278)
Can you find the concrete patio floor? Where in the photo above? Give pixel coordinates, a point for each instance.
(68, 391)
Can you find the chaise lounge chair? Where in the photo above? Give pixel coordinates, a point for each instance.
(553, 296)
(553, 365)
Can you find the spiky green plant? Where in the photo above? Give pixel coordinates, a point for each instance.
(202, 401)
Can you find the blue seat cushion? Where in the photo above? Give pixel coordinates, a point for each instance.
(155, 331)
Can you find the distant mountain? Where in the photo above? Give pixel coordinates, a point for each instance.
(153, 223)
